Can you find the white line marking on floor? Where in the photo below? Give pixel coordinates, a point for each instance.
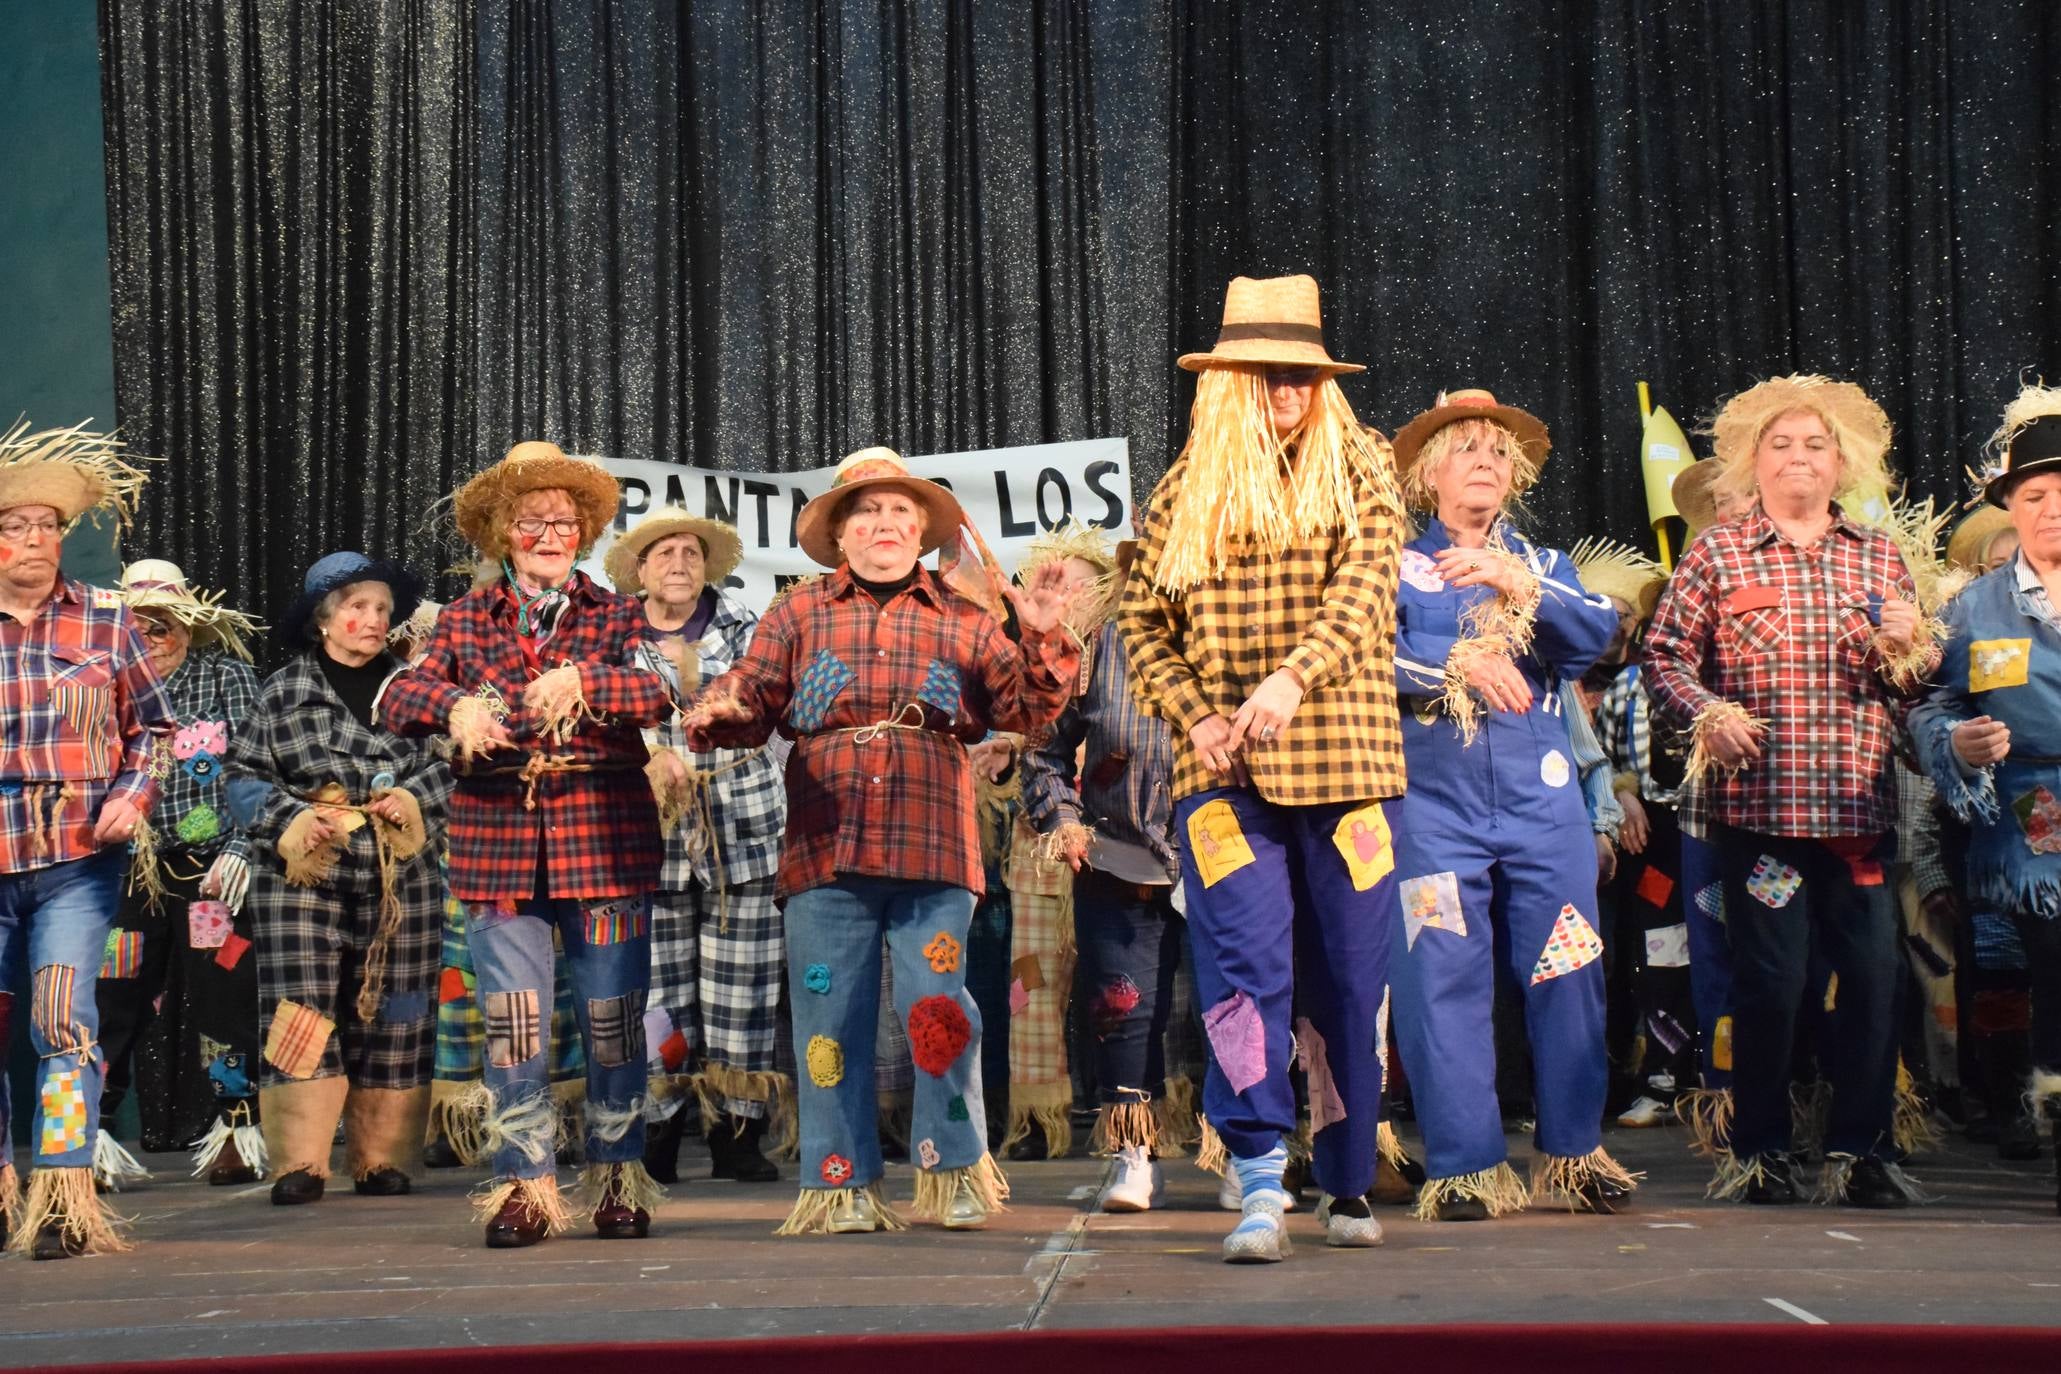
(1842, 1235)
(1670, 1225)
(1086, 1190)
(218, 1312)
(1797, 1312)
(395, 1278)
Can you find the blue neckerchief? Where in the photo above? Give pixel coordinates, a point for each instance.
(536, 613)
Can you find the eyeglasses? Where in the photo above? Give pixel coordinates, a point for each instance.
(21, 529)
(1293, 376)
(156, 629)
(534, 529)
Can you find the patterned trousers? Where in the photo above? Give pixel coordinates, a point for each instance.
(717, 965)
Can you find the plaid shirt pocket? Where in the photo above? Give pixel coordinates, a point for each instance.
(820, 682)
(940, 687)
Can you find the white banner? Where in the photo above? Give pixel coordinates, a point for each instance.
(1012, 495)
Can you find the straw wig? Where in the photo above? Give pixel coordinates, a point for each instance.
(484, 505)
(71, 471)
(1858, 426)
(151, 586)
(721, 547)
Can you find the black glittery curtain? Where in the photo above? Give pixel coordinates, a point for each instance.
(360, 247)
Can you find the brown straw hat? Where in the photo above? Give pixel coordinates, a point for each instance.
(1968, 545)
(1695, 502)
(722, 547)
(1271, 321)
(1471, 403)
(875, 467)
(482, 504)
(70, 470)
(154, 586)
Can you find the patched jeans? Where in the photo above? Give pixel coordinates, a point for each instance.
(608, 956)
(1130, 946)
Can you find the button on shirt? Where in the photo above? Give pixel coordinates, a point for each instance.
(1784, 630)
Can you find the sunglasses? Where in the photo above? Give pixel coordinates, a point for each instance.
(1294, 376)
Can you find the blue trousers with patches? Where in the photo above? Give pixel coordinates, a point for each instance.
(608, 957)
(55, 920)
(1293, 908)
(834, 935)
(1510, 882)
(1710, 958)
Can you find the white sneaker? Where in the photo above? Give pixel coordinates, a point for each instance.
(1347, 1232)
(1646, 1111)
(1137, 1184)
(1260, 1237)
(1231, 1198)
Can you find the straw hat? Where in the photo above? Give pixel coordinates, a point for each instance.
(335, 570)
(874, 467)
(1608, 568)
(155, 586)
(1270, 321)
(721, 544)
(482, 504)
(1072, 539)
(1968, 545)
(1695, 502)
(1471, 403)
(71, 471)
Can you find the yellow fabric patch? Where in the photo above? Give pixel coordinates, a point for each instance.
(297, 1038)
(1994, 663)
(826, 1061)
(1363, 842)
(1721, 1045)
(1218, 842)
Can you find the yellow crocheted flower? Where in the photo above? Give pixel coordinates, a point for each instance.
(943, 953)
(826, 1061)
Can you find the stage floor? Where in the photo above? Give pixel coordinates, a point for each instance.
(220, 1272)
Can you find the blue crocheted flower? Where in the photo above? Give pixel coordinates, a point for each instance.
(816, 978)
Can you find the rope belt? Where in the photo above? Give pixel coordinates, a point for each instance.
(372, 985)
(538, 766)
(697, 807)
(42, 824)
(866, 734)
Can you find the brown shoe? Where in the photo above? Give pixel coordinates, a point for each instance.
(296, 1189)
(615, 1219)
(515, 1226)
(230, 1170)
(52, 1243)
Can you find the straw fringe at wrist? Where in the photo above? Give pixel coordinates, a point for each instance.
(1702, 762)
(935, 1187)
(146, 874)
(540, 1198)
(66, 1198)
(813, 1209)
(1499, 1190)
(1561, 1179)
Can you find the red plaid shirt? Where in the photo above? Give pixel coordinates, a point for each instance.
(1785, 632)
(81, 713)
(597, 832)
(891, 803)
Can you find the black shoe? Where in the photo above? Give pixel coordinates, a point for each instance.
(733, 1150)
(1462, 1209)
(2019, 1139)
(1775, 1185)
(1029, 1148)
(1870, 1185)
(53, 1243)
(383, 1183)
(662, 1145)
(1605, 1197)
(441, 1154)
(296, 1189)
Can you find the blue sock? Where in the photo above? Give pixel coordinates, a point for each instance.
(1262, 1173)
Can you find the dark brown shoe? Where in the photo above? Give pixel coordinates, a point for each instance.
(52, 1243)
(515, 1226)
(615, 1219)
(296, 1189)
(383, 1183)
(230, 1170)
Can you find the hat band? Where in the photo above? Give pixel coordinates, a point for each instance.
(2038, 440)
(866, 472)
(1269, 331)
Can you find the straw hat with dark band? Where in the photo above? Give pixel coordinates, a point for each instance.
(482, 504)
(1270, 322)
(1471, 404)
(874, 467)
(151, 586)
(721, 547)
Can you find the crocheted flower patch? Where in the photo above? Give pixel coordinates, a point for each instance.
(826, 1061)
(938, 1033)
(837, 1170)
(816, 978)
(1117, 1000)
(943, 953)
(926, 1153)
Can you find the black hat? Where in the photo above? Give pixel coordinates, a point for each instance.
(335, 570)
(2036, 447)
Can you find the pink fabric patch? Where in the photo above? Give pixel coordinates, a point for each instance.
(1238, 1040)
(207, 924)
(1326, 1103)
(1018, 998)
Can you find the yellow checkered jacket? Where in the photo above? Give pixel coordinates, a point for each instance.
(1325, 608)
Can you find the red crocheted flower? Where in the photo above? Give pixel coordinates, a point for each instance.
(938, 1033)
(837, 1170)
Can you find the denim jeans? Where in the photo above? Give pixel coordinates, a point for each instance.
(1130, 946)
(55, 920)
(608, 956)
(834, 936)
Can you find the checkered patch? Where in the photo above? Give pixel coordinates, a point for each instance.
(514, 1032)
(51, 1009)
(940, 687)
(1710, 900)
(297, 1038)
(64, 1113)
(615, 923)
(820, 682)
(615, 1028)
(123, 956)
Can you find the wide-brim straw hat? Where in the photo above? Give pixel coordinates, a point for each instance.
(1968, 545)
(335, 570)
(157, 587)
(1695, 501)
(2034, 448)
(875, 467)
(722, 547)
(1471, 403)
(70, 470)
(1608, 568)
(1270, 322)
(482, 504)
